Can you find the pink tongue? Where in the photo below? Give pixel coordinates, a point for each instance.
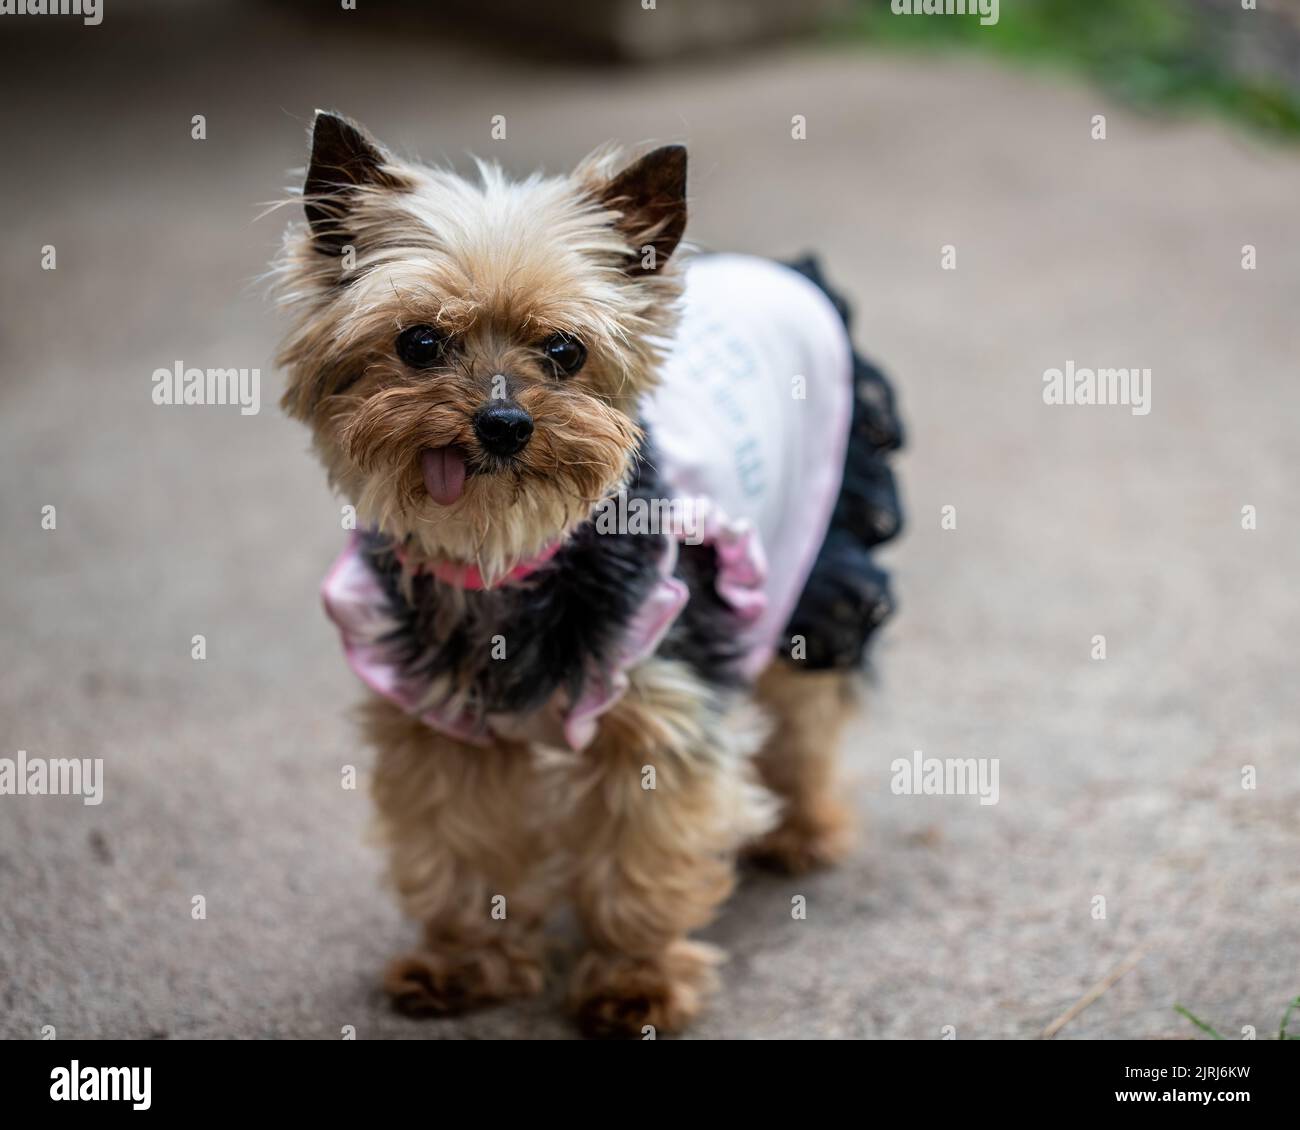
(444, 473)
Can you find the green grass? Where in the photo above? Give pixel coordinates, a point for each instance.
(1282, 1031)
(1151, 53)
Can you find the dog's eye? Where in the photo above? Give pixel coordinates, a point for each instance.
(421, 346)
(565, 352)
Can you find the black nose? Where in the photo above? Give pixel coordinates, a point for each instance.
(503, 429)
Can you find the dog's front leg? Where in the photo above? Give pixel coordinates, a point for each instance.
(664, 797)
(462, 825)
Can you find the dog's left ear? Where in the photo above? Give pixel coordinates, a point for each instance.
(343, 157)
(650, 197)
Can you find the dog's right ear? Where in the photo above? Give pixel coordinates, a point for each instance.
(343, 158)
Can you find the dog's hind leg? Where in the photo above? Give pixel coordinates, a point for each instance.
(463, 830)
(798, 763)
(662, 800)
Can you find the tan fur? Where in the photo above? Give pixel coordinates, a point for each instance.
(644, 866)
(463, 825)
(652, 865)
(798, 763)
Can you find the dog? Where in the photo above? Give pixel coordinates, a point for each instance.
(612, 577)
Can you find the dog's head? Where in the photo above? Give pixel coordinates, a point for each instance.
(470, 355)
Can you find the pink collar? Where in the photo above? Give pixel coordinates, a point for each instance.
(468, 576)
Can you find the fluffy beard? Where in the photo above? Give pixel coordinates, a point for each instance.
(581, 453)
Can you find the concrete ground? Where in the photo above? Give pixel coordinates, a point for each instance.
(1120, 778)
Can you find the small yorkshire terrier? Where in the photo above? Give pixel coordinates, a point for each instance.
(612, 576)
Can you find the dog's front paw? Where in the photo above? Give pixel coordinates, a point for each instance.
(805, 840)
(619, 997)
(455, 979)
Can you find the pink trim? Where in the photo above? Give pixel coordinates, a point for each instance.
(742, 567)
(343, 603)
(469, 577)
(356, 603)
(602, 690)
(742, 572)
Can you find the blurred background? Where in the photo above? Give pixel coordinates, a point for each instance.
(1120, 778)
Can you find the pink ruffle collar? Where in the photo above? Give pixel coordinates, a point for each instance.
(358, 605)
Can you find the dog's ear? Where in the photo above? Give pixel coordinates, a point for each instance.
(343, 158)
(650, 197)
